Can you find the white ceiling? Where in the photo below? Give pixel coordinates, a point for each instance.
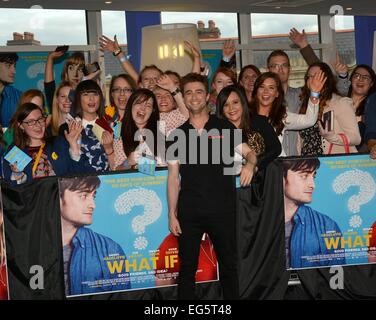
(359, 7)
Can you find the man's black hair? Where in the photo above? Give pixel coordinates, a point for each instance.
(308, 165)
(8, 57)
(84, 184)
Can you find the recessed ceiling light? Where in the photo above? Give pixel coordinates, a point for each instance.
(5, 0)
(349, 9)
(277, 7)
(108, 2)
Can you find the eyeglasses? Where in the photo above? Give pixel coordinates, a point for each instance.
(363, 77)
(122, 90)
(279, 66)
(32, 123)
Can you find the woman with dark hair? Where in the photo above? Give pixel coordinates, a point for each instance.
(363, 84)
(344, 134)
(257, 131)
(89, 106)
(139, 130)
(121, 88)
(222, 77)
(247, 77)
(57, 156)
(268, 101)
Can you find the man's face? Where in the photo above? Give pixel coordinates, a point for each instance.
(281, 66)
(77, 207)
(7, 72)
(165, 100)
(149, 78)
(299, 186)
(195, 96)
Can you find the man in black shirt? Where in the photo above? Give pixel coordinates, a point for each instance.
(201, 188)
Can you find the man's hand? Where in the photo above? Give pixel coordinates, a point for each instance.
(246, 174)
(300, 39)
(174, 226)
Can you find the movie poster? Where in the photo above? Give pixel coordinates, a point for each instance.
(330, 216)
(4, 294)
(30, 70)
(115, 235)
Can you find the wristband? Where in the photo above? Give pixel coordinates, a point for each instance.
(124, 58)
(175, 92)
(343, 75)
(117, 52)
(315, 94)
(226, 59)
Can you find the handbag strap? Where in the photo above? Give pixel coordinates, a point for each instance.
(345, 144)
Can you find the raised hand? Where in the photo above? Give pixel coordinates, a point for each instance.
(196, 53)
(106, 44)
(299, 38)
(55, 54)
(340, 67)
(316, 83)
(228, 49)
(107, 142)
(74, 135)
(165, 82)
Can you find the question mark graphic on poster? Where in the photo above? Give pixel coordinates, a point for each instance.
(33, 71)
(367, 190)
(152, 211)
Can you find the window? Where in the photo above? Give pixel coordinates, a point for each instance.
(227, 23)
(345, 39)
(113, 22)
(50, 27)
(271, 24)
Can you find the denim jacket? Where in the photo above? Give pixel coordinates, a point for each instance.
(307, 240)
(88, 264)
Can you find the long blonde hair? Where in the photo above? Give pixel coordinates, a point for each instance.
(55, 108)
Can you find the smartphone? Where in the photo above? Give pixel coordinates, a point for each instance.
(62, 49)
(328, 120)
(90, 68)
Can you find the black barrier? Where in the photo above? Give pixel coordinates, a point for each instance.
(33, 237)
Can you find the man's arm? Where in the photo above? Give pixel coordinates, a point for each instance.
(173, 188)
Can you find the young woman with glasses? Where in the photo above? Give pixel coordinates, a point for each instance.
(55, 156)
(363, 84)
(121, 88)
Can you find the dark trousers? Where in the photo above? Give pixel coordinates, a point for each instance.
(221, 229)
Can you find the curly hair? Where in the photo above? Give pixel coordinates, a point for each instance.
(278, 110)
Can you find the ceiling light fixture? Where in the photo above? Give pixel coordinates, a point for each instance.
(349, 9)
(108, 2)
